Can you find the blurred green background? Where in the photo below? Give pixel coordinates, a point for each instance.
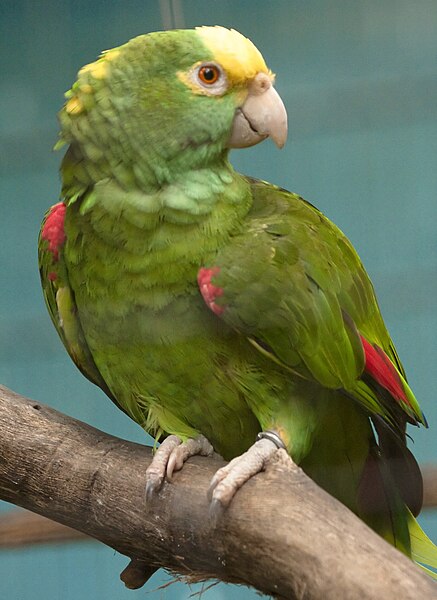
(359, 79)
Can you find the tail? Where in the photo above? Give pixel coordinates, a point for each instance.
(380, 503)
(390, 494)
(423, 551)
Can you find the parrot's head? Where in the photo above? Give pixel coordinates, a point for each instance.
(170, 101)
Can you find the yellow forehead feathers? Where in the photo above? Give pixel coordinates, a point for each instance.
(240, 58)
(236, 54)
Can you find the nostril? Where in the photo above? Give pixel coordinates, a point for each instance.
(261, 83)
(264, 84)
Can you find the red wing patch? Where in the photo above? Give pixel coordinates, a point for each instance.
(208, 290)
(379, 366)
(53, 229)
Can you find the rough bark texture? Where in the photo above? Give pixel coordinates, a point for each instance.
(282, 534)
(20, 528)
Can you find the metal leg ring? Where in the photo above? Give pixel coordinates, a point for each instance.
(273, 436)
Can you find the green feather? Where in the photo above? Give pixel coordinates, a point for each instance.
(150, 199)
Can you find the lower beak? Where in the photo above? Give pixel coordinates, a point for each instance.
(262, 115)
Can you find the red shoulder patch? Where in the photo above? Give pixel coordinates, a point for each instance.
(379, 366)
(208, 290)
(53, 229)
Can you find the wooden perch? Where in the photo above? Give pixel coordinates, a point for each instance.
(20, 528)
(282, 534)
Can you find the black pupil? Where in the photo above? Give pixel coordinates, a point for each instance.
(209, 74)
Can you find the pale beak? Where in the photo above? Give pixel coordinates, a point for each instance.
(262, 115)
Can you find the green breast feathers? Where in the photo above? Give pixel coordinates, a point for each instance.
(213, 308)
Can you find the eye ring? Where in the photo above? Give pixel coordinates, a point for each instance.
(208, 78)
(209, 74)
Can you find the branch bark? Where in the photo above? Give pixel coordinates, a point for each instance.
(282, 534)
(19, 528)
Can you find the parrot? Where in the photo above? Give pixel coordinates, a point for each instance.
(220, 312)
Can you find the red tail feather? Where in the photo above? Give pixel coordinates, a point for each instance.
(379, 366)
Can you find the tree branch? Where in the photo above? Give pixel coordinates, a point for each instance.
(282, 534)
(19, 528)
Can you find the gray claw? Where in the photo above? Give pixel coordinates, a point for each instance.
(155, 472)
(152, 486)
(216, 511)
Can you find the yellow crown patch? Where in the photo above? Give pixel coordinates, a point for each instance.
(240, 58)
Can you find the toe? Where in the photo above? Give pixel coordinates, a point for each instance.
(221, 474)
(155, 473)
(176, 461)
(231, 477)
(192, 447)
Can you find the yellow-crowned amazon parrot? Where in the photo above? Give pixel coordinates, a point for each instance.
(210, 306)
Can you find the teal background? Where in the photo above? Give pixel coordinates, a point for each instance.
(359, 79)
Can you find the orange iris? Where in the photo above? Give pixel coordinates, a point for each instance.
(209, 74)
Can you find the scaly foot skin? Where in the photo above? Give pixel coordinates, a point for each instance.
(194, 447)
(232, 476)
(170, 457)
(155, 473)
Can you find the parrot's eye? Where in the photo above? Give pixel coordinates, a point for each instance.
(211, 78)
(209, 74)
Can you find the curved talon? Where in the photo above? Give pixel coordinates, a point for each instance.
(155, 472)
(216, 510)
(152, 485)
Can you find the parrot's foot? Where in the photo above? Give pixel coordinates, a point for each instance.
(194, 447)
(170, 457)
(232, 476)
(155, 473)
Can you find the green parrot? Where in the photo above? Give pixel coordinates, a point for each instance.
(212, 307)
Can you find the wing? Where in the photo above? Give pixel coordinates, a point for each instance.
(293, 284)
(60, 298)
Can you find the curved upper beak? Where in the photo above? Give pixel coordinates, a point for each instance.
(262, 115)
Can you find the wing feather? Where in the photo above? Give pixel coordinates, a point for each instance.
(59, 296)
(293, 284)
